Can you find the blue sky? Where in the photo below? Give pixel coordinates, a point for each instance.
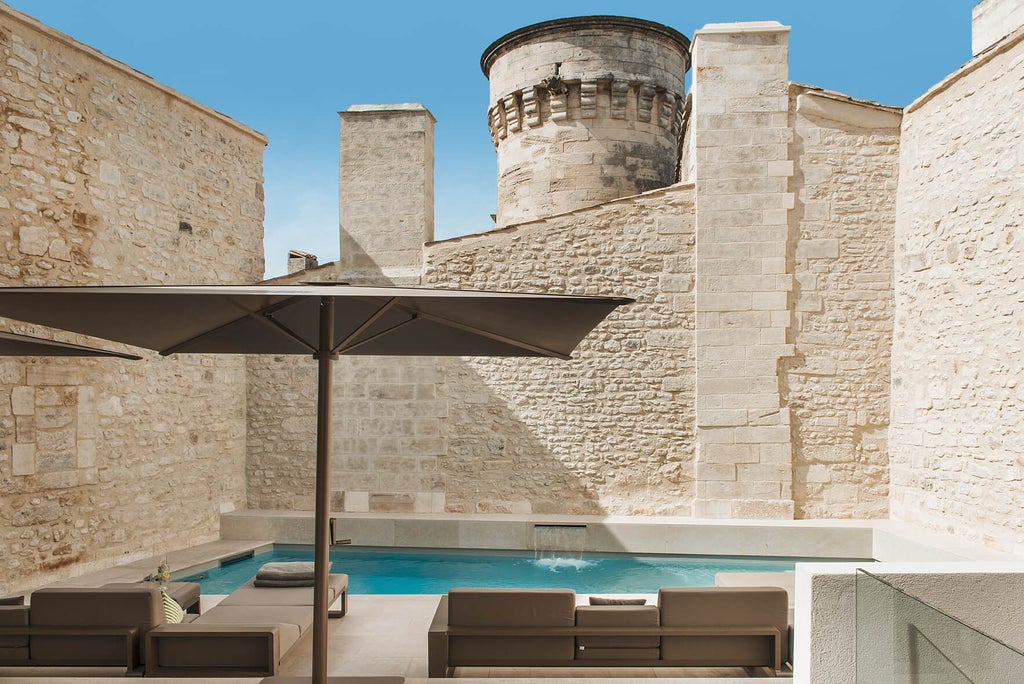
(287, 68)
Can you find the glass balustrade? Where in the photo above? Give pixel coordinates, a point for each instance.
(902, 640)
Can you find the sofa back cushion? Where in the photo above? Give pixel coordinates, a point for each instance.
(140, 607)
(511, 607)
(526, 608)
(714, 607)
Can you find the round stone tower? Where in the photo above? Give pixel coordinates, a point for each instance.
(583, 111)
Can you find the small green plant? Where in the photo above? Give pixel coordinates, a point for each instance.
(163, 573)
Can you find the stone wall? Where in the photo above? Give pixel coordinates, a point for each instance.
(112, 178)
(779, 361)
(612, 430)
(956, 438)
(837, 381)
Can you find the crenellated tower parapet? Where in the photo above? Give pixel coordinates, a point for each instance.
(583, 111)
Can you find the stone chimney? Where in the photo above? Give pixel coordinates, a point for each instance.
(300, 261)
(386, 189)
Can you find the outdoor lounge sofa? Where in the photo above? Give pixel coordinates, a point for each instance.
(124, 625)
(81, 627)
(689, 627)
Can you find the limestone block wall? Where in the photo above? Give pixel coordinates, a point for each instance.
(741, 136)
(956, 437)
(610, 431)
(846, 156)
(112, 178)
(386, 424)
(387, 434)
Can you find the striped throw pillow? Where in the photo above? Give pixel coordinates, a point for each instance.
(172, 611)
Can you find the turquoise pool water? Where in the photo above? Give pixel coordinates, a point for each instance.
(416, 571)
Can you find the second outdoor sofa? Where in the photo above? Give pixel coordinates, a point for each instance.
(689, 627)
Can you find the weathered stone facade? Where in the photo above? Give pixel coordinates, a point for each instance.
(386, 425)
(610, 431)
(958, 357)
(837, 380)
(111, 178)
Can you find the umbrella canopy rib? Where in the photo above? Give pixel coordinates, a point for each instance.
(365, 324)
(281, 327)
(13, 344)
(383, 333)
(493, 336)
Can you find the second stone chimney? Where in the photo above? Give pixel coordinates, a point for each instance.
(301, 261)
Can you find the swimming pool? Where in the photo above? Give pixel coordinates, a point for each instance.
(431, 571)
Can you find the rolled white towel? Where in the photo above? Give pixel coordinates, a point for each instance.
(286, 571)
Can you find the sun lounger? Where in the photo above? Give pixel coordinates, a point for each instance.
(245, 635)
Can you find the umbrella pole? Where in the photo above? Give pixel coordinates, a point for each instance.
(322, 504)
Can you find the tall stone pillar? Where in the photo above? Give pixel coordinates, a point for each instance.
(741, 134)
(386, 189)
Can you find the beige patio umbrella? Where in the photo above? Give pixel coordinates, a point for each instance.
(324, 321)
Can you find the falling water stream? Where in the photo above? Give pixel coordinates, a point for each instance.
(559, 547)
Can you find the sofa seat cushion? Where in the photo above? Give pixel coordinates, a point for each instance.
(14, 616)
(250, 595)
(300, 617)
(195, 650)
(511, 607)
(13, 654)
(618, 616)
